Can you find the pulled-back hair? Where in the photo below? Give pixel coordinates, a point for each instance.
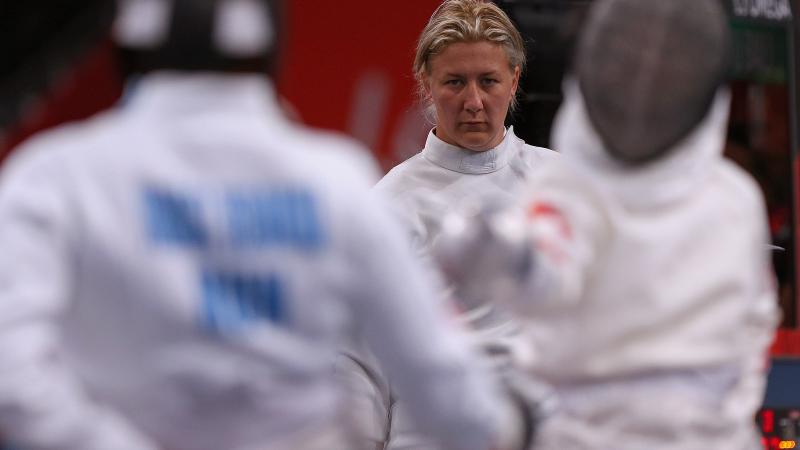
(467, 21)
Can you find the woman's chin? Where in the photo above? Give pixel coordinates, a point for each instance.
(477, 142)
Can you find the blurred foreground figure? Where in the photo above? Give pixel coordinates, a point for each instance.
(639, 259)
(177, 273)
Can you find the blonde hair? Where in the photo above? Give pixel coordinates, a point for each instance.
(466, 21)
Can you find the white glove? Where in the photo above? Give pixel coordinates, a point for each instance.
(485, 253)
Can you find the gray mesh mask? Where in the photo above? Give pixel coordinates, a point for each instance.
(649, 69)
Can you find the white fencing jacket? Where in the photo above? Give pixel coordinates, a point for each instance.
(652, 299)
(178, 274)
(443, 177)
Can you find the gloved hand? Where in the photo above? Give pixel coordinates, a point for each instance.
(484, 252)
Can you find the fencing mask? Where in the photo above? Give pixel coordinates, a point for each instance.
(649, 70)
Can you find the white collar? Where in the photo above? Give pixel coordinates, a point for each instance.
(465, 161)
(177, 93)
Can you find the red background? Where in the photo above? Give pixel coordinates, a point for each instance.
(332, 48)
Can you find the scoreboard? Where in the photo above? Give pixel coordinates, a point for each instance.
(779, 427)
(779, 419)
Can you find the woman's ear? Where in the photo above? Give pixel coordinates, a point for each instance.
(515, 83)
(426, 86)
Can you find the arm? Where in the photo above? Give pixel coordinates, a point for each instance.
(529, 256)
(42, 405)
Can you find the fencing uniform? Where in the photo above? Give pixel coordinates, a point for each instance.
(651, 299)
(443, 176)
(422, 190)
(178, 273)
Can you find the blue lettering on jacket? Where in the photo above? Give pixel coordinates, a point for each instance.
(274, 217)
(173, 218)
(254, 219)
(242, 219)
(233, 300)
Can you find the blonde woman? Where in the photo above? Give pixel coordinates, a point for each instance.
(468, 64)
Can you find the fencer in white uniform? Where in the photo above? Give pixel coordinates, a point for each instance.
(422, 190)
(443, 176)
(470, 156)
(640, 258)
(178, 273)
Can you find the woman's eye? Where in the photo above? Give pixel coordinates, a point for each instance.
(452, 82)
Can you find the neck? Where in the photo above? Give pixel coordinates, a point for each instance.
(496, 141)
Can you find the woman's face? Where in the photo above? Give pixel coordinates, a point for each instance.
(471, 85)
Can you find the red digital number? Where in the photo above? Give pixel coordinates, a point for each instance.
(768, 421)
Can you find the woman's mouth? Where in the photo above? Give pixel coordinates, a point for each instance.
(473, 124)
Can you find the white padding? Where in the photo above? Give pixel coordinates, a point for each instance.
(243, 28)
(142, 23)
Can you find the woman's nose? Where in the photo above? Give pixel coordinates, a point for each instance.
(472, 100)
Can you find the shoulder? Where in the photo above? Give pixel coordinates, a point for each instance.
(530, 159)
(335, 154)
(540, 151)
(53, 151)
(400, 178)
(531, 151)
(536, 154)
(738, 187)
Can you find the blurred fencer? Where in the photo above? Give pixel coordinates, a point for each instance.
(177, 273)
(639, 259)
(468, 62)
